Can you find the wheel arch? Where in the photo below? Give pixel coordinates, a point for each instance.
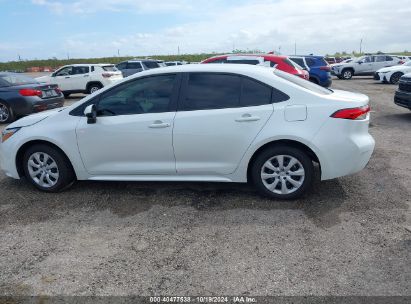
(283, 142)
(25, 146)
(90, 83)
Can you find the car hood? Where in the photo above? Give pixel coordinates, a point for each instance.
(393, 68)
(43, 78)
(34, 118)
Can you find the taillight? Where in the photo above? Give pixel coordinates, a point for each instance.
(353, 113)
(57, 90)
(325, 68)
(106, 75)
(30, 92)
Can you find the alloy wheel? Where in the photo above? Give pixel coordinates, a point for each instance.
(282, 174)
(43, 169)
(4, 113)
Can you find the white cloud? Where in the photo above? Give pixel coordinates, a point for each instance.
(318, 26)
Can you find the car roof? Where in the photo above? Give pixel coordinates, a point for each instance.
(83, 64)
(251, 55)
(244, 69)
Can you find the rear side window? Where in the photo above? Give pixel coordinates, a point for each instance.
(221, 60)
(244, 61)
(289, 62)
(122, 65)
(151, 64)
(211, 91)
(389, 58)
(134, 65)
(254, 93)
(299, 61)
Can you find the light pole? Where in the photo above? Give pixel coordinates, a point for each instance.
(360, 46)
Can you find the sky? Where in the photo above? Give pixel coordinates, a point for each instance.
(41, 29)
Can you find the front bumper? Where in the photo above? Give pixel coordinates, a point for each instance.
(403, 99)
(380, 77)
(7, 158)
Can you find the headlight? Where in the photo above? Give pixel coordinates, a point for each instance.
(6, 134)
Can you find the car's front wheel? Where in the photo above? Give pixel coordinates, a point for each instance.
(395, 78)
(47, 168)
(347, 74)
(282, 172)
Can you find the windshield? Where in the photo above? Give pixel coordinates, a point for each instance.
(303, 83)
(16, 79)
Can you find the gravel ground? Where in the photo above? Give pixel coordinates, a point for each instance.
(347, 237)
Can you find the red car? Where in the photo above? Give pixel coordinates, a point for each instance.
(280, 62)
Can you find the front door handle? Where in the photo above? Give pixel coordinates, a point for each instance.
(158, 124)
(67, 77)
(247, 117)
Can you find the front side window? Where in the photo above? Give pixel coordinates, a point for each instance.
(141, 96)
(65, 71)
(244, 61)
(211, 91)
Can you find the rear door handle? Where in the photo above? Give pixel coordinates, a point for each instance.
(158, 124)
(247, 117)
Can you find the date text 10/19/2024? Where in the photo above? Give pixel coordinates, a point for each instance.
(239, 299)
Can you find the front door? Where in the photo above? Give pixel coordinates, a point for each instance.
(80, 78)
(218, 118)
(133, 132)
(63, 78)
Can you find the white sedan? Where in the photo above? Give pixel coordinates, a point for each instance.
(393, 74)
(214, 123)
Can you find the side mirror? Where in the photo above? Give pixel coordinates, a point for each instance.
(91, 113)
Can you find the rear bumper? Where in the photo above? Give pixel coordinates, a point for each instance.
(346, 153)
(36, 104)
(403, 99)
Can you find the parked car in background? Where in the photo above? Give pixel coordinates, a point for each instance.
(21, 95)
(208, 122)
(404, 59)
(83, 78)
(317, 67)
(402, 96)
(133, 66)
(393, 74)
(173, 63)
(279, 62)
(333, 60)
(363, 66)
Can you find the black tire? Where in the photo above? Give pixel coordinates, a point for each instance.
(66, 95)
(347, 74)
(395, 78)
(304, 161)
(6, 113)
(314, 80)
(339, 77)
(66, 176)
(91, 88)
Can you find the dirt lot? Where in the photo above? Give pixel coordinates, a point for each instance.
(347, 237)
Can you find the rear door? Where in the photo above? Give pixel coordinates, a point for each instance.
(218, 117)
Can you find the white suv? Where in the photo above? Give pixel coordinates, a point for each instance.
(83, 78)
(363, 66)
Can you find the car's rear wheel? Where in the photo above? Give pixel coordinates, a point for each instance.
(47, 168)
(94, 87)
(347, 74)
(6, 113)
(395, 78)
(282, 172)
